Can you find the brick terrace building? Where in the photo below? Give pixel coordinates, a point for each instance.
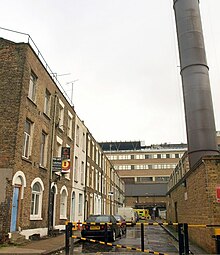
(37, 121)
(145, 170)
(104, 188)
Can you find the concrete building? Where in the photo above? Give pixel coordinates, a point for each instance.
(145, 170)
(43, 151)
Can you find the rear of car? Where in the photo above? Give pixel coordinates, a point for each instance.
(95, 228)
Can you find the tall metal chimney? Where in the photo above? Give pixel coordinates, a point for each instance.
(200, 123)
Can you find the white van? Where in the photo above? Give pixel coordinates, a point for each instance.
(128, 214)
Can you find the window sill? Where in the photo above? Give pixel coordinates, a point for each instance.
(61, 129)
(43, 167)
(26, 159)
(70, 138)
(31, 100)
(35, 218)
(63, 218)
(46, 116)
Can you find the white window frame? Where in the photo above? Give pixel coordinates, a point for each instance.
(27, 140)
(76, 166)
(82, 172)
(63, 202)
(40, 197)
(70, 125)
(80, 207)
(47, 102)
(43, 150)
(32, 87)
(59, 146)
(77, 135)
(83, 141)
(61, 114)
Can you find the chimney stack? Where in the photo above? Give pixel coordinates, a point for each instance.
(199, 115)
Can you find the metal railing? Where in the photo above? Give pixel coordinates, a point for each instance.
(26, 38)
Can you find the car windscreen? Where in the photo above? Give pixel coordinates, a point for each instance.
(98, 219)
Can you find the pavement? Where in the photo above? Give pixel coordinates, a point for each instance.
(46, 245)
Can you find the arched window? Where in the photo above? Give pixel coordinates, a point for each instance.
(36, 199)
(63, 204)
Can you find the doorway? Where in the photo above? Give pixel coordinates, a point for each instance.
(15, 208)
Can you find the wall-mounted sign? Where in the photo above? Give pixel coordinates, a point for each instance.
(65, 156)
(57, 164)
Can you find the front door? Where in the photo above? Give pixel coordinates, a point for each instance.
(14, 211)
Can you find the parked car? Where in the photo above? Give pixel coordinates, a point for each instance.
(122, 222)
(94, 229)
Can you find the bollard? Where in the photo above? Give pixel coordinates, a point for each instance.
(181, 239)
(186, 238)
(142, 236)
(67, 244)
(217, 240)
(68, 234)
(106, 233)
(217, 244)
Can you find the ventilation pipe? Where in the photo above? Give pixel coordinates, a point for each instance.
(200, 123)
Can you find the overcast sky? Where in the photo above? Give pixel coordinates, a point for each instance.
(124, 56)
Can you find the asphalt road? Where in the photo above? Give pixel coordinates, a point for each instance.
(155, 239)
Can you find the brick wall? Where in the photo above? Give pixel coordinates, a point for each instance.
(11, 75)
(17, 61)
(194, 201)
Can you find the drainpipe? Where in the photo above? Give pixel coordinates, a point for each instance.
(199, 115)
(51, 165)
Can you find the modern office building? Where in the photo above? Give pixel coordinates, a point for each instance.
(145, 170)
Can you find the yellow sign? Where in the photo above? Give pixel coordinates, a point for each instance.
(65, 165)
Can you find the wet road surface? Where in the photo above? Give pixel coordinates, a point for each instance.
(155, 239)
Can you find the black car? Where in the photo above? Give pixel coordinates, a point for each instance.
(95, 227)
(122, 223)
